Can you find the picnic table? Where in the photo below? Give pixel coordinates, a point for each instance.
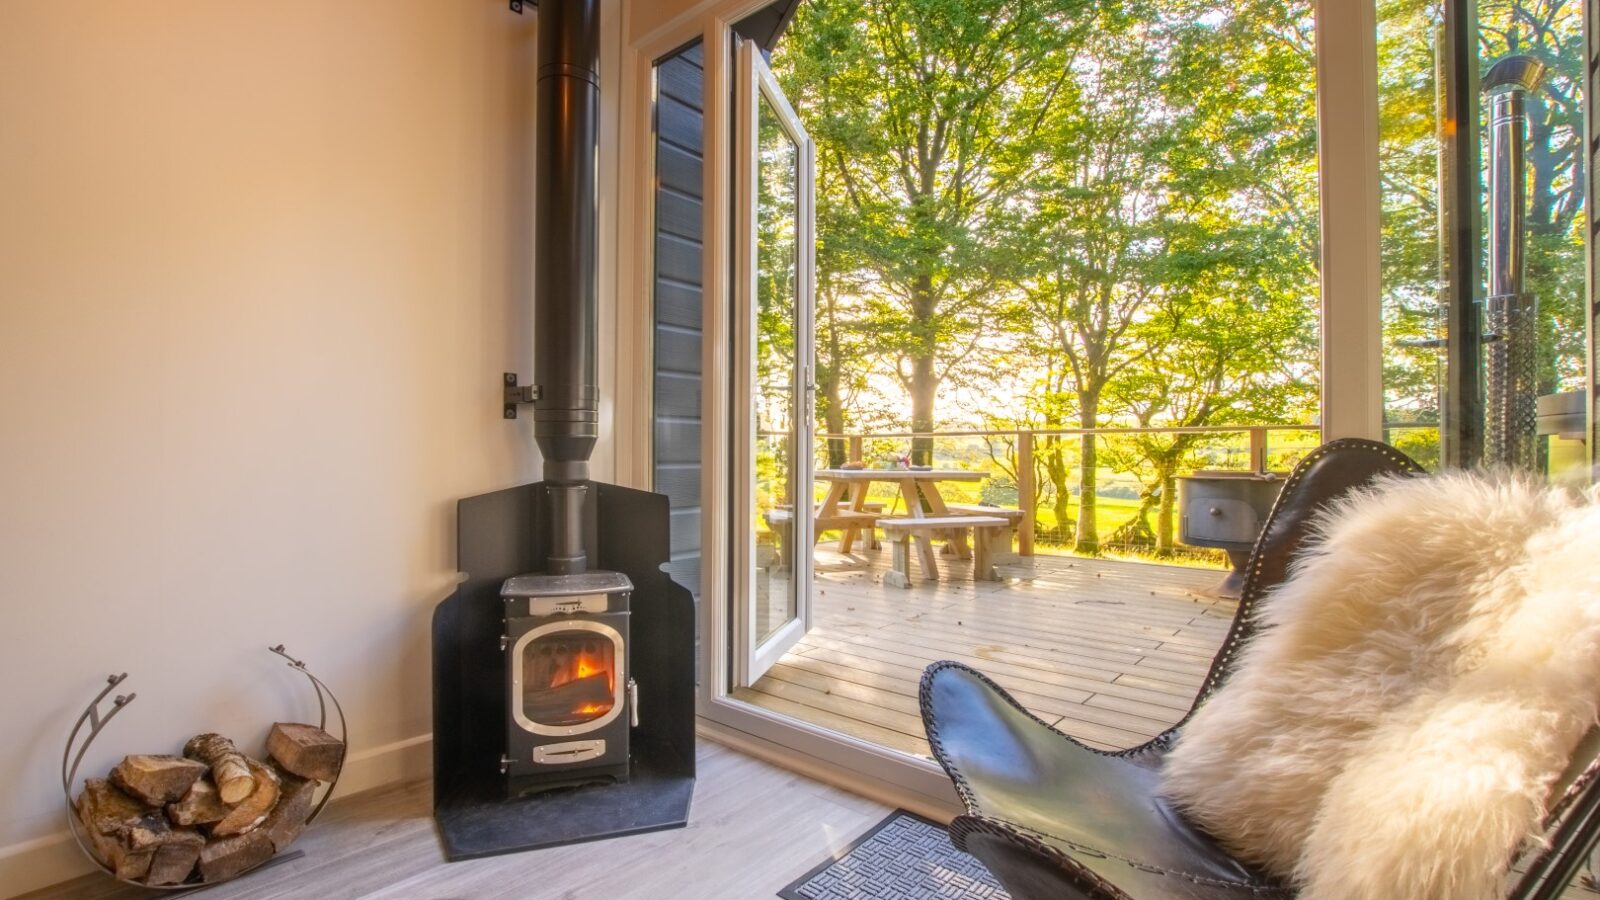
(845, 508)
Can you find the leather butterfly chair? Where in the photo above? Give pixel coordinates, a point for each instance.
(1053, 818)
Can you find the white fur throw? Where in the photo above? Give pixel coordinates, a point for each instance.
(1422, 679)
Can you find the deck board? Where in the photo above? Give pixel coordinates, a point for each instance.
(1111, 652)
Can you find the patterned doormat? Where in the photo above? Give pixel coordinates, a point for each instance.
(904, 857)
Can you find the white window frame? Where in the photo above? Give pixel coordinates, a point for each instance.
(1352, 401)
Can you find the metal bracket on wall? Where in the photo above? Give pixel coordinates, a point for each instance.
(517, 5)
(516, 395)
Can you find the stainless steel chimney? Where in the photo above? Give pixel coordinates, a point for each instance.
(1512, 315)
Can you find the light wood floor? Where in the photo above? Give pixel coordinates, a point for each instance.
(753, 828)
(1111, 652)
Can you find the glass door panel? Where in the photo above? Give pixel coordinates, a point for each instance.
(1481, 121)
(772, 320)
(776, 383)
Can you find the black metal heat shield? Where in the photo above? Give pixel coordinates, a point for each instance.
(505, 534)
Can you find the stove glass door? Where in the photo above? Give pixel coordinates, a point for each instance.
(568, 678)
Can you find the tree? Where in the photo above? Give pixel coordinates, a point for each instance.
(1409, 145)
(1069, 195)
(1188, 166)
(929, 115)
(1097, 218)
(848, 346)
(1217, 359)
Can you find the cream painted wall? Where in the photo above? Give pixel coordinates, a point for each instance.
(261, 265)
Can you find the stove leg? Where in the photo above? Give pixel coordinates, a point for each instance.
(1232, 586)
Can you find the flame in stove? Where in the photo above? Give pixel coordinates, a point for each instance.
(587, 665)
(592, 709)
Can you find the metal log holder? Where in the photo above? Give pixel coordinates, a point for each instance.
(1511, 357)
(97, 719)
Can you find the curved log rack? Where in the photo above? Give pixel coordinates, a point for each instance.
(97, 722)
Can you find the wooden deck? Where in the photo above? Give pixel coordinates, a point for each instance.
(1110, 652)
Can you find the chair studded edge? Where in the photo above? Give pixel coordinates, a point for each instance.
(1079, 876)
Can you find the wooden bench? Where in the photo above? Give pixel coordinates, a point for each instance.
(781, 520)
(991, 542)
(957, 545)
(1014, 516)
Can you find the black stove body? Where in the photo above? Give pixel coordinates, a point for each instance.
(572, 696)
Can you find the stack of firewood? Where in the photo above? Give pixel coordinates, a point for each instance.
(211, 813)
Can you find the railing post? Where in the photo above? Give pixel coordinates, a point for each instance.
(855, 448)
(1025, 492)
(1258, 449)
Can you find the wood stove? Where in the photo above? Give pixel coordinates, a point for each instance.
(565, 657)
(572, 696)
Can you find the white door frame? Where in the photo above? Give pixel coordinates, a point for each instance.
(863, 766)
(1347, 158)
(755, 84)
(1352, 397)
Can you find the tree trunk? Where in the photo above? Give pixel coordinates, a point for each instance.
(828, 386)
(924, 384)
(1088, 417)
(1055, 468)
(833, 421)
(1164, 511)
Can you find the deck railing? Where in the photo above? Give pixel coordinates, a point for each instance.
(1014, 453)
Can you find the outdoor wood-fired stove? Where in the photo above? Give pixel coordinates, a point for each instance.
(563, 664)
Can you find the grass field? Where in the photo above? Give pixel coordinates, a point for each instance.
(1110, 514)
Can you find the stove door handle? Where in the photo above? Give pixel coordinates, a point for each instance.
(633, 702)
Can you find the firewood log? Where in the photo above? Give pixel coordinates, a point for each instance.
(137, 841)
(305, 750)
(108, 808)
(175, 857)
(229, 771)
(288, 818)
(562, 703)
(107, 813)
(249, 814)
(226, 857)
(202, 805)
(156, 779)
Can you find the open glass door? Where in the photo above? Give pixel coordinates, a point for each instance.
(774, 246)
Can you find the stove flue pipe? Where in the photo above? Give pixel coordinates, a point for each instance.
(1512, 315)
(566, 261)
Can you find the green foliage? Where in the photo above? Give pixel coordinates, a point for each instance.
(1114, 203)
(1066, 213)
(929, 120)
